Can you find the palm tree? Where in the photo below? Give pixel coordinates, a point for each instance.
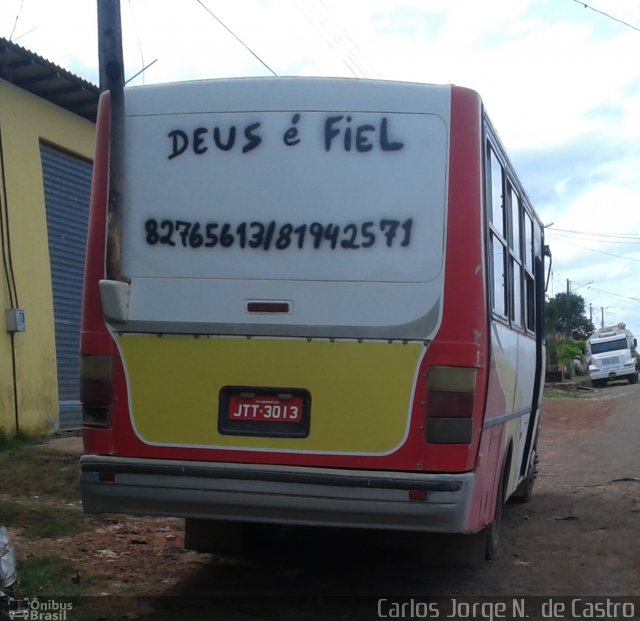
(568, 351)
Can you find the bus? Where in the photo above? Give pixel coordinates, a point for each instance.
(321, 303)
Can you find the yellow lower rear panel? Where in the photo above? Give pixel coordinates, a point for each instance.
(360, 392)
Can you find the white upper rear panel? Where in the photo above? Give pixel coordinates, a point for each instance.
(328, 194)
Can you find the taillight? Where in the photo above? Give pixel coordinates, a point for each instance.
(450, 405)
(96, 390)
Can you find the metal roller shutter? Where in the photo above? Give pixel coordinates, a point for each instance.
(67, 189)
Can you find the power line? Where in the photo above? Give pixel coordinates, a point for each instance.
(615, 240)
(346, 41)
(617, 256)
(322, 14)
(324, 30)
(559, 279)
(615, 19)
(617, 295)
(613, 235)
(235, 36)
(580, 284)
(337, 38)
(357, 49)
(144, 67)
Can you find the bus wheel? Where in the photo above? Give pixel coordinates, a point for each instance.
(524, 491)
(633, 379)
(492, 532)
(466, 551)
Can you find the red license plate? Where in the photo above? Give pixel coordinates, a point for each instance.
(265, 408)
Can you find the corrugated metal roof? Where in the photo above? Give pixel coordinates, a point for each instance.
(47, 80)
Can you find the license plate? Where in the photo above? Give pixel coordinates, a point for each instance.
(264, 412)
(266, 408)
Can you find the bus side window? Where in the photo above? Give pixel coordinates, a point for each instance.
(528, 273)
(496, 194)
(515, 256)
(499, 281)
(528, 242)
(516, 288)
(516, 210)
(498, 245)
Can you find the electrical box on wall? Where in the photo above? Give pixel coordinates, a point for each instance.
(14, 319)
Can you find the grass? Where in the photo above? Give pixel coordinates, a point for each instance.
(47, 575)
(38, 487)
(40, 497)
(8, 443)
(43, 521)
(29, 471)
(53, 576)
(561, 394)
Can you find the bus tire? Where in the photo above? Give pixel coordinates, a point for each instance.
(524, 491)
(468, 551)
(492, 532)
(633, 379)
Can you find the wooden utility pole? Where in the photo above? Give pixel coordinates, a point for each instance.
(110, 56)
(111, 63)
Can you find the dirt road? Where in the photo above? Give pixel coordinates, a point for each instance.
(579, 536)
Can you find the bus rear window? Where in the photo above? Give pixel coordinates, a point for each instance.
(344, 196)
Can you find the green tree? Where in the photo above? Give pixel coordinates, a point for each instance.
(565, 317)
(568, 351)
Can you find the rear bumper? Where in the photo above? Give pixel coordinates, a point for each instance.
(278, 494)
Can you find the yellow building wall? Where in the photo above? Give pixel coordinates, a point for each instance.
(25, 121)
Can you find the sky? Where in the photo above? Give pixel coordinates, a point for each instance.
(560, 80)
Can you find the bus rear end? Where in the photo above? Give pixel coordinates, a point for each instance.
(300, 332)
